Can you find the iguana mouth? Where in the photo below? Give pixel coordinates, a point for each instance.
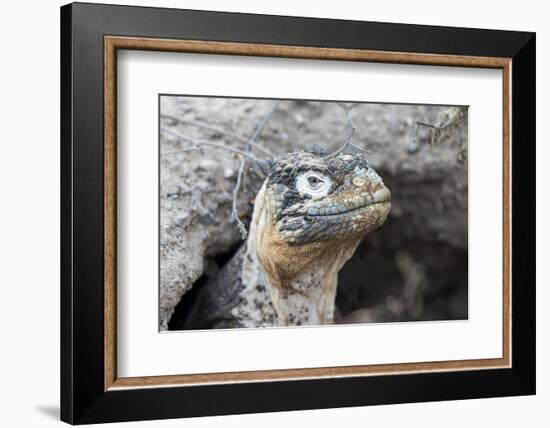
(339, 210)
(347, 205)
(353, 210)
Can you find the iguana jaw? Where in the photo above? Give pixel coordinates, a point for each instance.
(348, 214)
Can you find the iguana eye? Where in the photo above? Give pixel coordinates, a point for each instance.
(314, 184)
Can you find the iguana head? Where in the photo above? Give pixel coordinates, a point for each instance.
(311, 213)
(312, 197)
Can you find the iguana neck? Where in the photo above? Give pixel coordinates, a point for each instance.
(307, 298)
(301, 280)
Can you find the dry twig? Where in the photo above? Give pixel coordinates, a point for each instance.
(352, 128)
(250, 142)
(447, 120)
(235, 211)
(196, 144)
(260, 127)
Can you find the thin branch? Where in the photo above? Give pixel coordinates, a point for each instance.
(351, 123)
(352, 128)
(198, 143)
(260, 127)
(347, 107)
(428, 125)
(455, 118)
(204, 126)
(235, 211)
(445, 120)
(222, 131)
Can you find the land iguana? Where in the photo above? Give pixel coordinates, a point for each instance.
(310, 214)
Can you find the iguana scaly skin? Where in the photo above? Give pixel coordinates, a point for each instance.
(309, 216)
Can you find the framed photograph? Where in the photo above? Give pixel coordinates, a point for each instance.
(265, 213)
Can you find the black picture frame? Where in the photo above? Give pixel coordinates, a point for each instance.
(83, 396)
